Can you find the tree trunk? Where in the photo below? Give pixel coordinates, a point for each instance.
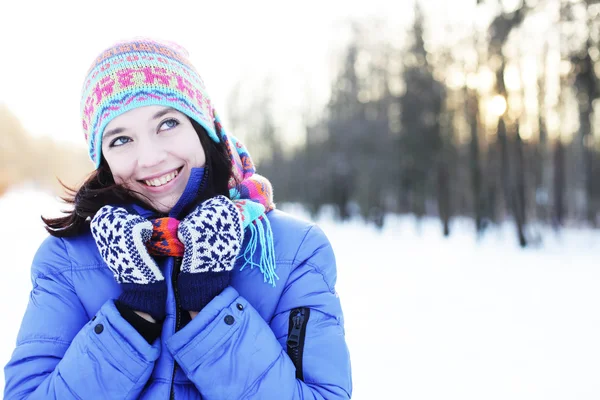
(559, 184)
(443, 196)
(587, 158)
(519, 199)
(471, 102)
(504, 163)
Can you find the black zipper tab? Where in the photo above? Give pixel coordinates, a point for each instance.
(295, 340)
(294, 337)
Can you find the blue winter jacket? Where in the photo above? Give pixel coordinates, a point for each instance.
(74, 344)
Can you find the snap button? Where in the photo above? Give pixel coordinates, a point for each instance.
(239, 306)
(98, 328)
(229, 320)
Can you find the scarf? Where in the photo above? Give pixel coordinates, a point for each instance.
(251, 193)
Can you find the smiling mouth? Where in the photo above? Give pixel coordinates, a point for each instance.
(162, 180)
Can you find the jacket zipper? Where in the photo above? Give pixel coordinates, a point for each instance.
(295, 341)
(175, 274)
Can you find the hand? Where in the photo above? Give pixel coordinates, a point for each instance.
(212, 236)
(121, 240)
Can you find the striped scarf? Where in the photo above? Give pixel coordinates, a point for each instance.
(252, 195)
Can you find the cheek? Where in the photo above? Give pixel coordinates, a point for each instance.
(195, 153)
(124, 177)
(119, 179)
(121, 169)
(200, 157)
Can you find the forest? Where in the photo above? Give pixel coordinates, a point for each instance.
(498, 123)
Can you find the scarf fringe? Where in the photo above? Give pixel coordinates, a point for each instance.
(261, 239)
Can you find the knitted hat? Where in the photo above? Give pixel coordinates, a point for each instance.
(136, 73)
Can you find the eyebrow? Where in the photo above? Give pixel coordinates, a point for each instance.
(162, 113)
(116, 131)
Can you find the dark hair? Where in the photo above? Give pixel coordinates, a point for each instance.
(100, 188)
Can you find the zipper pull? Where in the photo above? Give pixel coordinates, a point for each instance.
(294, 336)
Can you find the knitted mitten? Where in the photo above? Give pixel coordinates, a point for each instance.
(121, 239)
(212, 236)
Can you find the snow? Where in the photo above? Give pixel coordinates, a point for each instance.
(426, 317)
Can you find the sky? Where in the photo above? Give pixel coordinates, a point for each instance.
(289, 51)
(48, 46)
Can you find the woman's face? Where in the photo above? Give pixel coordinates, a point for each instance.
(151, 150)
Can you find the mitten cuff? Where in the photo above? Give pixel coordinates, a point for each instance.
(149, 298)
(197, 290)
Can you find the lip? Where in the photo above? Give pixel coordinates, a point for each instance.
(147, 178)
(165, 187)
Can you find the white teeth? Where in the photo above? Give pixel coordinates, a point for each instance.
(161, 180)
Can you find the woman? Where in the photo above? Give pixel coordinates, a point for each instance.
(175, 276)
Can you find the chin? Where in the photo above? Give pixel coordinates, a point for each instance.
(163, 207)
(163, 210)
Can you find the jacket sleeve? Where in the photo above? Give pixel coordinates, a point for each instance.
(61, 354)
(230, 352)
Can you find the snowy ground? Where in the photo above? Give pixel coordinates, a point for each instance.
(426, 317)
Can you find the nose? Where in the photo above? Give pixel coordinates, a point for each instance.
(150, 153)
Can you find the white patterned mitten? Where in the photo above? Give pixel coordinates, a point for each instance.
(212, 236)
(121, 240)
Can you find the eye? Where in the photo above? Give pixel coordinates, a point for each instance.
(168, 124)
(119, 141)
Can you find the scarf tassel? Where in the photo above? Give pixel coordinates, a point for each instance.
(261, 239)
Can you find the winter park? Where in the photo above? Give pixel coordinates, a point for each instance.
(401, 202)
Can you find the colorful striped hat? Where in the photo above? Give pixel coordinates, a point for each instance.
(136, 73)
